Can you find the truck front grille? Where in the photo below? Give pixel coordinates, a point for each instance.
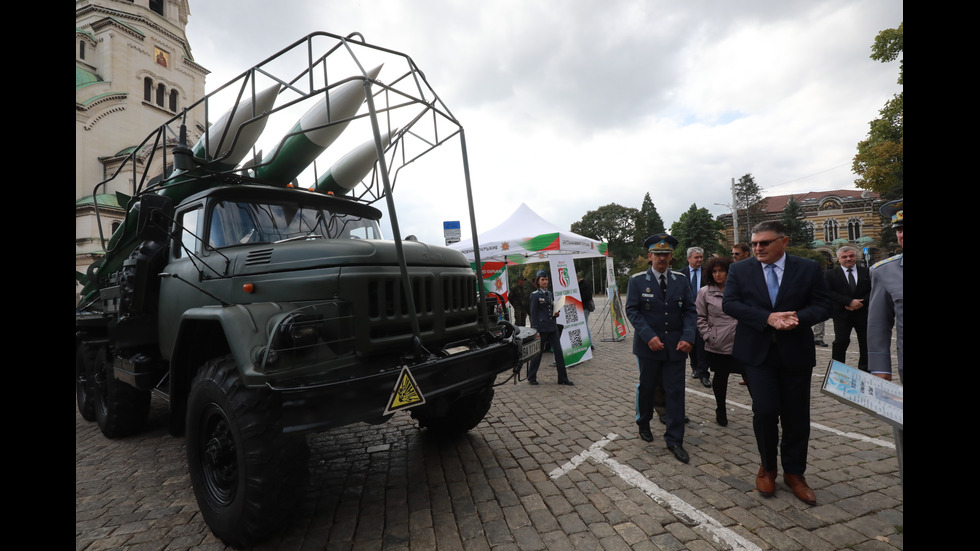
(445, 303)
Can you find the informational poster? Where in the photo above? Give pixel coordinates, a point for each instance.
(871, 394)
(612, 293)
(576, 344)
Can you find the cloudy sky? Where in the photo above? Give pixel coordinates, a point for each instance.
(571, 105)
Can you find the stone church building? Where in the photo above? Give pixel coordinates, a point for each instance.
(832, 219)
(133, 71)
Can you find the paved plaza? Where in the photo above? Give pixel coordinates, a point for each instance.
(550, 468)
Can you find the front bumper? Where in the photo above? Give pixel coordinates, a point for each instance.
(314, 407)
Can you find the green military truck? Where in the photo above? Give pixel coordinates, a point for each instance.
(262, 312)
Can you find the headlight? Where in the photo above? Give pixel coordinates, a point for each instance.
(312, 334)
(297, 331)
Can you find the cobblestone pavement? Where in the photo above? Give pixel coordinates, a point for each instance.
(551, 467)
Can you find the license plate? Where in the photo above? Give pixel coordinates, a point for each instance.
(530, 349)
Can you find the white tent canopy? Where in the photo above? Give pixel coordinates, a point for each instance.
(526, 237)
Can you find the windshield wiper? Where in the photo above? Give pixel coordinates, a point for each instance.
(312, 234)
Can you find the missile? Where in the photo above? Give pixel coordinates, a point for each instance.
(182, 184)
(302, 146)
(215, 137)
(352, 167)
(234, 119)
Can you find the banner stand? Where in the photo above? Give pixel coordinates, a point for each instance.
(612, 304)
(613, 312)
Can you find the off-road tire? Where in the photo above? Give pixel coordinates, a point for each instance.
(85, 380)
(459, 417)
(247, 475)
(120, 410)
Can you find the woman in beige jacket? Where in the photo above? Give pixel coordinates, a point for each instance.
(718, 330)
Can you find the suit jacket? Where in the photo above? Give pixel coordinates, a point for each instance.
(840, 291)
(672, 318)
(686, 270)
(747, 300)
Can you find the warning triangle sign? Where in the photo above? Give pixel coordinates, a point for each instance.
(406, 393)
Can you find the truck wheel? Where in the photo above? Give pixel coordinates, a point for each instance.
(85, 381)
(247, 474)
(459, 417)
(120, 410)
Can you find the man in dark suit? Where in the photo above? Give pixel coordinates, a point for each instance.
(660, 305)
(695, 277)
(850, 288)
(776, 299)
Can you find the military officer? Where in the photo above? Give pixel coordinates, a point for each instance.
(542, 313)
(660, 305)
(887, 306)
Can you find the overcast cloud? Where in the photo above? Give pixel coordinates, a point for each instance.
(572, 105)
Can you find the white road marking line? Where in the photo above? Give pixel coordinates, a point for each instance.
(852, 435)
(684, 511)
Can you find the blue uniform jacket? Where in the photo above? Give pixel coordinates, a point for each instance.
(542, 311)
(886, 308)
(673, 318)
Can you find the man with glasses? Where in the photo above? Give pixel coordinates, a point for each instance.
(741, 251)
(776, 299)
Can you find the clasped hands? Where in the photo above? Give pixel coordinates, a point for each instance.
(783, 321)
(656, 345)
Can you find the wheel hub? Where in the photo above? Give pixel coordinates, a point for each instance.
(220, 463)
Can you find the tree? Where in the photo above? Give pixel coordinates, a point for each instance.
(648, 221)
(879, 162)
(614, 224)
(697, 228)
(749, 205)
(793, 217)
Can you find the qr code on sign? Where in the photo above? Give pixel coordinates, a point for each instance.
(575, 338)
(571, 314)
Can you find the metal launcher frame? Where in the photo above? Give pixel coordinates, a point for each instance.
(399, 102)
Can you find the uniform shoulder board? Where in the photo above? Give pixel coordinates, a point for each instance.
(637, 274)
(887, 260)
(678, 273)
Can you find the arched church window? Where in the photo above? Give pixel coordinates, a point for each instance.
(831, 230)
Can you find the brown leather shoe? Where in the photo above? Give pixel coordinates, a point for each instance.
(800, 489)
(765, 482)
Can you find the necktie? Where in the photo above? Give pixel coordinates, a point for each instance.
(772, 283)
(694, 281)
(663, 285)
(850, 279)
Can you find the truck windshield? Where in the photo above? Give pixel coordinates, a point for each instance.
(243, 223)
